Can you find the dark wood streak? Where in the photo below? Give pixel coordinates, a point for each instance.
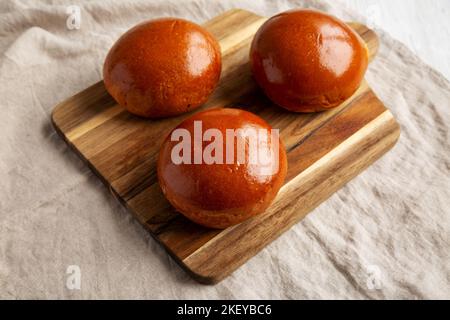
(312, 132)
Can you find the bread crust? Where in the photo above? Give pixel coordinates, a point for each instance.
(163, 67)
(307, 61)
(220, 195)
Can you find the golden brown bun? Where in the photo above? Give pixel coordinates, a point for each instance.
(163, 67)
(221, 195)
(307, 61)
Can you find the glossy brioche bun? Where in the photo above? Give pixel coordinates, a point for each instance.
(307, 61)
(221, 195)
(163, 67)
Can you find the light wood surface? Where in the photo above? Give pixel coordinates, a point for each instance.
(325, 150)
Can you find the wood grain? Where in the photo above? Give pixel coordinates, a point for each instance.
(325, 150)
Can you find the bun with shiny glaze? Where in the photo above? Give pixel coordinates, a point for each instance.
(220, 195)
(308, 61)
(163, 67)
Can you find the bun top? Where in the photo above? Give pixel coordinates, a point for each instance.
(163, 67)
(307, 60)
(221, 194)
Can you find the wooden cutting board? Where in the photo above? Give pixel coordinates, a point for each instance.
(325, 150)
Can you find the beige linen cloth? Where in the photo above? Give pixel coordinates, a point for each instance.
(386, 234)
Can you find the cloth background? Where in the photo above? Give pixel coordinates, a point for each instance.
(389, 226)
